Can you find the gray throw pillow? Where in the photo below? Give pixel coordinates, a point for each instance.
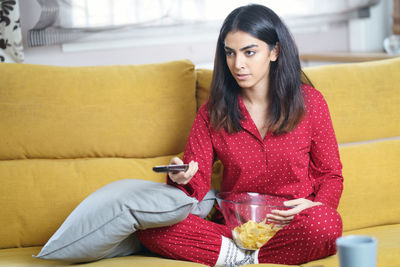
(203, 208)
(104, 224)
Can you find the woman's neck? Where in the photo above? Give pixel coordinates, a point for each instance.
(254, 97)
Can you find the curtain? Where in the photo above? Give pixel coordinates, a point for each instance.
(63, 21)
(11, 49)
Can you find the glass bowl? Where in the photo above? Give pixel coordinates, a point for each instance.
(246, 216)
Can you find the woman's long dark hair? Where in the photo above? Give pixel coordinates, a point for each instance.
(285, 100)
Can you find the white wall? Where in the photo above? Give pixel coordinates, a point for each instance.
(333, 38)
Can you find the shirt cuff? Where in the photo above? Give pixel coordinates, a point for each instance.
(187, 188)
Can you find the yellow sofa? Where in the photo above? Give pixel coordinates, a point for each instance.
(67, 131)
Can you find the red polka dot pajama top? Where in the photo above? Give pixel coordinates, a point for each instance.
(304, 163)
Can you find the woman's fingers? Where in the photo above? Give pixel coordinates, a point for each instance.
(279, 223)
(286, 216)
(176, 161)
(193, 168)
(191, 171)
(288, 213)
(183, 177)
(176, 177)
(294, 202)
(280, 218)
(298, 206)
(273, 217)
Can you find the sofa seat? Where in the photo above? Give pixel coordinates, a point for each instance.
(20, 257)
(388, 251)
(388, 246)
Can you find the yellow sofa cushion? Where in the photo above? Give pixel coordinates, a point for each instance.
(97, 111)
(203, 77)
(388, 251)
(363, 98)
(371, 184)
(37, 195)
(21, 257)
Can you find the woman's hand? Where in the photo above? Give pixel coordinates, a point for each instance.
(284, 217)
(181, 177)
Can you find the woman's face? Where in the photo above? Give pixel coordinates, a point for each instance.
(248, 59)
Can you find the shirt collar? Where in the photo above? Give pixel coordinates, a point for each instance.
(247, 122)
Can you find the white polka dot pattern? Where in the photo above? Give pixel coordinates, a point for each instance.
(298, 164)
(301, 164)
(310, 236)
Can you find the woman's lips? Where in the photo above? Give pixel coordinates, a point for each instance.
(242, 77)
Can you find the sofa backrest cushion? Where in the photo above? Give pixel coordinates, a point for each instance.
(363, 98)
(67, 131)
(131, 111)
(37, 195)
(371, 184)
(203, 77)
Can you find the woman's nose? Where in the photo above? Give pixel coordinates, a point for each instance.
(239, 62)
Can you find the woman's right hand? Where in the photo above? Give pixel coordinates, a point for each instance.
(181, 177)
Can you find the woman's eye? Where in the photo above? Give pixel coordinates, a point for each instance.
(228, 53)
(250, 53)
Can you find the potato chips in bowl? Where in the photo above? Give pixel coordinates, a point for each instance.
(246, 215)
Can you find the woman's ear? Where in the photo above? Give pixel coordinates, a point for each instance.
(273, 56)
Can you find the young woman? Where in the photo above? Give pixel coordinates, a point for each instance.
(273, 135)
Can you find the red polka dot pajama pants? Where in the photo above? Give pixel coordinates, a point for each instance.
(310, 236)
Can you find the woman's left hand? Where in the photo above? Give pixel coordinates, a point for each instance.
(284, 217)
